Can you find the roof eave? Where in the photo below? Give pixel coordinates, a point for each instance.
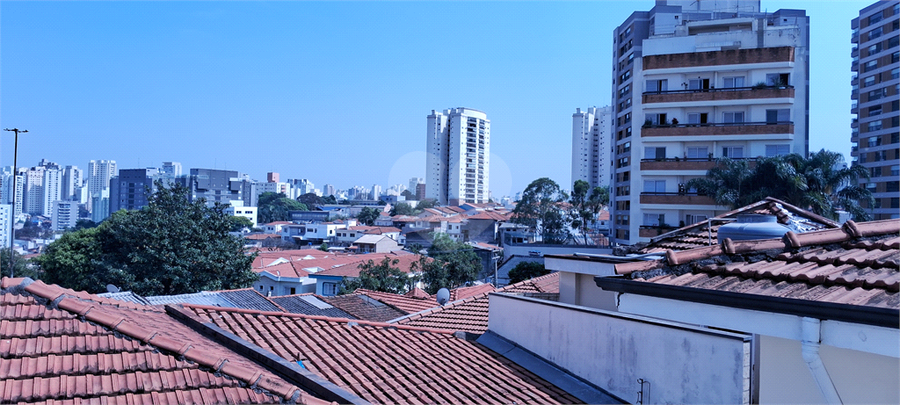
(883, 317)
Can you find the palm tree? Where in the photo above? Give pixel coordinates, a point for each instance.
(820, 183)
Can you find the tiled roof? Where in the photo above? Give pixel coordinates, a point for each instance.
(858, 264)
(248, 298)
(701, 234)
(309, 304)
(71, 348)
(199, 298)
(470, 291)
(405, 303)
(128, 296)
(350, 265)
(390, 364)
(262, 236)
(471, 314)
(292, 269)
(361, 306)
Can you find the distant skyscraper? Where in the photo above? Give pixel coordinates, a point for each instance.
(214, 185)
(874, 105)
(414, 182)
(72, 178)
(34, 191)
(131, 189)
(100, 202)
(52, 190)
(458, 162)
(171, 169)
(591, 131)
(99, 173)
(329, 190)
(5, 229)
(272, 177)
(64, 215)
(376, 192)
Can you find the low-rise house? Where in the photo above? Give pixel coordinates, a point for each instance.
(274, 227)
(311, 233)
(375, 244)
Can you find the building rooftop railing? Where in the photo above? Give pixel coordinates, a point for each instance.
(712, 90)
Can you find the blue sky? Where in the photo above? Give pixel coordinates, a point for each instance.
(336, 92)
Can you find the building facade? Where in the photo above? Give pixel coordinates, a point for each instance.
(99, 173)
(132, 188)
(697, 81)
(72, 178)
(591, 133)
(216, 186)
(171, 169)
(458, 162)
(874, 134)
(64, 215)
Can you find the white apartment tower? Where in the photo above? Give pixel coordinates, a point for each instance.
(64, 215)
(696, 81)
(591, 132)
(34, 191)
(99, 173)
(458, 162)
(71, 181)
(171, 169)
(875, 94)
(52, 190)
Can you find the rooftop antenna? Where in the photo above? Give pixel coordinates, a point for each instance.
(443, 295)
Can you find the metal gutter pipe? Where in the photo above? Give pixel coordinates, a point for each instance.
(810, 338)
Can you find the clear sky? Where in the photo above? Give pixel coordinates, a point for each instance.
(335, 92)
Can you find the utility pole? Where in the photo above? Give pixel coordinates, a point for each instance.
(12, 209)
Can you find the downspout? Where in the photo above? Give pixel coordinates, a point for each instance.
(809, 346)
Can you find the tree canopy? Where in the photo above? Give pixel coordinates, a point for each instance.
(586, 204)
(382, 276)
(310, 200)
(542, 209)
(403, 209)
(277, 207)
(820, 183)
(171, 246)
(368, 215)
(454, 264)
(526, 270)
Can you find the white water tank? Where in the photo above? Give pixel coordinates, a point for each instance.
(752, 226)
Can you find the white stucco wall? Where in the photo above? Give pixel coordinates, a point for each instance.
(683, 364)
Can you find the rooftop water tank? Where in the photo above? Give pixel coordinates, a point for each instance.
(752, 226)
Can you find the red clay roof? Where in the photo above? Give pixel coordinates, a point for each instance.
(858, 264)
(391, 364)
(348, 266)
(470, 314)
(405, 303)
(78, 348)
(361, 306)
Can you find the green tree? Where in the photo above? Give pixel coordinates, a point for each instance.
(586, 204)
(277, 207)
(310, 200)
(22, 267)
(382, 276)
(368, 215)
(819, 183)
(454, 264)
(402, 209)
(84, 224)
(323, 247)
(426, 203)
(237, 223)
(171, 246)
(329, 199)
(526, 270)
(541, 209)
(408, 194)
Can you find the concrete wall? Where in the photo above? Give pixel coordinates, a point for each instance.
(522, 250)
(580, 289)
(683, 364)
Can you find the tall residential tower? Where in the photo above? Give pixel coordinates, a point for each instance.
(696, 81)
(457, 167)
(591, 132)
(875, 136)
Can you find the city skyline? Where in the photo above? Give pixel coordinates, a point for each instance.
(333, 92)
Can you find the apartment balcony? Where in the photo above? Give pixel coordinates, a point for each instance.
(735, 93)
(718, 58)
(677, 164)
(650, 231)
(716, 129)
(676, 199)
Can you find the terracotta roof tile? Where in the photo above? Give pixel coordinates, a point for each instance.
(385, 363)
(857, 264)
(92, 349)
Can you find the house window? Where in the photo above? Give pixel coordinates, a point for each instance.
(874, 18)
(776, 116)
(656, 86)
(874, 49)
(874, 126)
(698, 84)
(734, 82)
(777, 79)
(733, 117)
(654, 219)
(871, 65)
(869, 81)
(691, 219)
(329, 289)
(876, 110)
(698, 118)
(697, 152)
(654, 186)
(657, 119)
(734, 152)
(895, 170)
(777, 150)
(654, 153)
(875, 33)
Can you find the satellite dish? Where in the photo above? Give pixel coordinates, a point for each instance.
(111, 288)
(443, 295)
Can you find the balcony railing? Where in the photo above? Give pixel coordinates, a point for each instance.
(683, 163)
(736, 128)
(676, 199)
(732, 93)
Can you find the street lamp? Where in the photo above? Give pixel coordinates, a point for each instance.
(12, 209)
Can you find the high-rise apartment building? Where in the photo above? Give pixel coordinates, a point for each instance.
(132, 188)
(52, 190)
(875, 134)
(591, 136)
(457, 167)
(214, 185)
(11, 183)
(99, 173)
(34, 191)
(72, 178)
(64, 215)
(696, 81)
(5, 228)
(414, 182)
(376, 192)
(329, 190)
(171, 169)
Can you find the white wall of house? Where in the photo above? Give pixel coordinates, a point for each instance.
(682, 363)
